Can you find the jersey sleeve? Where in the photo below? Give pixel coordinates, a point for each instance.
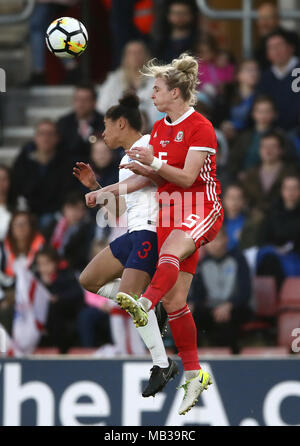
(203, 139)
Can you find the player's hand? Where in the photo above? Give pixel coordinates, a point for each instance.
(222, 312)
(84, 173)
(136, 168)
(91, 199)
(142, 154)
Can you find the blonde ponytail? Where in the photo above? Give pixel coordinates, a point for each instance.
(181, 73)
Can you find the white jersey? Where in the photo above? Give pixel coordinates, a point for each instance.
(142, 207)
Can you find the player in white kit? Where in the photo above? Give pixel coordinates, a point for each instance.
(132, 256)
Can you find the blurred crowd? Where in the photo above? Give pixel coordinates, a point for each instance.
(256, 115)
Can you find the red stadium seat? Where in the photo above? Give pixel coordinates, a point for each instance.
(265, 296)
(290, 293)
(214, 351)
(81, 351)
(287, 322)
(264, 351)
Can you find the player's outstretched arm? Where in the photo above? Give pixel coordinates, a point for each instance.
(181, 177)
(146, 171)
(85, 174)
(131, 184)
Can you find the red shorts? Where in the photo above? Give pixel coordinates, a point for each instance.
(203, 229)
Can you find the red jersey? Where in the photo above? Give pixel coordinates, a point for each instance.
(171, 143)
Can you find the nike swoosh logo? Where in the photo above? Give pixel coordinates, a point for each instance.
(167, 376)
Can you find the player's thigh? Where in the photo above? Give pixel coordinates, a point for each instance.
(134, 281)
(176, 298)
(103, 268)
(179, 244)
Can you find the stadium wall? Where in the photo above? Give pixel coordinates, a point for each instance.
(70, 392)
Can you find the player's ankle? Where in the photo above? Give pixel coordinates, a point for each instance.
(145, 303)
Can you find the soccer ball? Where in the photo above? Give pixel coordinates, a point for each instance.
(66, 37)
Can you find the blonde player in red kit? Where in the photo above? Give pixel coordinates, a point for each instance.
(184, 155)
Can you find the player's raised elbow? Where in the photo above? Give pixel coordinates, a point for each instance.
(187, 181)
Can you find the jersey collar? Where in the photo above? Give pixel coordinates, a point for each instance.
(182, 117)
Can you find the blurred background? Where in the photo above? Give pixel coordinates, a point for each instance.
(245, 295)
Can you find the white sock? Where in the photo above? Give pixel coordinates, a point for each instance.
(152, 338)
(189, 374)
(145, 303)
(118, 332)
(137, 345)
(110, 289)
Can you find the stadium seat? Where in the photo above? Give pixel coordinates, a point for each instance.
(290, 293)
(214, 351)
(46, 351)
(81, 351)
(265, 296)
(287, 322)
(264, 351)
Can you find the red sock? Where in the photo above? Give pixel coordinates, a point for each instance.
(164, 279)
(184, 333)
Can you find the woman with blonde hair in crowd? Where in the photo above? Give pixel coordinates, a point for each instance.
(128, 78)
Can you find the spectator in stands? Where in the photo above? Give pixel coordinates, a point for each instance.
(5, 200)
(20, 245)
(23, 240)
(240, 225)
(129, 78)
(277, 80)
(269, 21)
(262, 183)
(233, 106)
(294, 137)
(205, 108)
(80, 127)
(177, 31)
(280, 234)
(66, 300)
(94, 319)
(245, 150)
(130, 20)
(43, 13)
(42, 174)
(220, 293)
(215, 66)
(73, 233)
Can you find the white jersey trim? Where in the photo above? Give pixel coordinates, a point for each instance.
(203, 149)
(182, 118)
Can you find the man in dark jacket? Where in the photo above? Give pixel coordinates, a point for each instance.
(83, 125)
(277, 81)
(42, 174)
(280, 234)
(269, 21)
(220, 294)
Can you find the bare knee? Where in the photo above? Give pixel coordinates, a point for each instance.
(174, 304)
(86, 282)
